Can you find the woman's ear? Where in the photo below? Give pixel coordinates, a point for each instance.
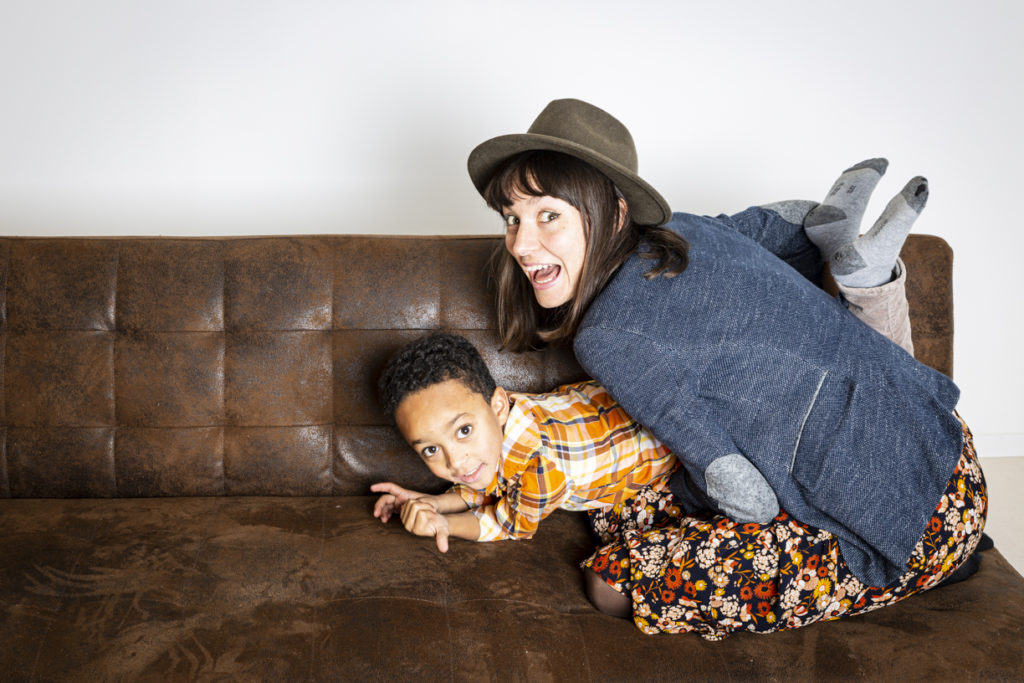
(500, 405)
(623, 212)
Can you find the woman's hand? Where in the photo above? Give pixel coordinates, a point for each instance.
(421, 518)
(394, 498)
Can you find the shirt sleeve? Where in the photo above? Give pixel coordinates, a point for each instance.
(535, 494)
(473, 498)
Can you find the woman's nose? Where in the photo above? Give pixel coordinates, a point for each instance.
(525, 240)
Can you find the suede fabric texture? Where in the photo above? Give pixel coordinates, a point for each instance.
(189, 431)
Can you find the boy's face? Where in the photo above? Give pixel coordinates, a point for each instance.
(455, 431)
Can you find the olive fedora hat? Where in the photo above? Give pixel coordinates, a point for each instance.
(586, 132)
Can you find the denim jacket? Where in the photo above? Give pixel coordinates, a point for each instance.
(743, 354)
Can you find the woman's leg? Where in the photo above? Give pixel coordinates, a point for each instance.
(884, 308)
(714, 576)
(607, 587)
(605, 598)
(867, 268)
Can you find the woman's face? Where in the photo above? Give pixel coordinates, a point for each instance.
(545, 236)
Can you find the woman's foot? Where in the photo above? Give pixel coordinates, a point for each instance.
(836, 221)
(869, 260)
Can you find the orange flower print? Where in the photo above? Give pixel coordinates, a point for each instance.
(715, 576)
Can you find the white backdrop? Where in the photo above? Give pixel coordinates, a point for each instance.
(207, 117)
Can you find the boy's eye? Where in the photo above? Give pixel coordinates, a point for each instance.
(548, 216)
(465, 430)
(429, 451)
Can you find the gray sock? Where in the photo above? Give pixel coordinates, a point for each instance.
(836, 221)
(869, 261)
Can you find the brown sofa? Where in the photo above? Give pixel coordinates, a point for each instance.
(189, 433)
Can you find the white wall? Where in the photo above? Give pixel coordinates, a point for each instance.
(287, 116)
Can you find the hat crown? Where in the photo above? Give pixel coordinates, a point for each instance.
(584, 124)
(583, 131)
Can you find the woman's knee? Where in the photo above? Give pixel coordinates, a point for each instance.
(605, 598)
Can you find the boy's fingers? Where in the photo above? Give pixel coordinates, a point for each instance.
(383, 507)
(410, 512)
(442, 540)
(386, 487)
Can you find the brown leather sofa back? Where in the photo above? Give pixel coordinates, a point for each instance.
(246, 366)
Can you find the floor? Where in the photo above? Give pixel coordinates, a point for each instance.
(1005, 480)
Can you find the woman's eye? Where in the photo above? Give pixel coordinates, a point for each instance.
(548, 216)
(511, 221)
(465, 430)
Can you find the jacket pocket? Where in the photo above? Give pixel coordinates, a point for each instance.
(812, 464)
(761, 398)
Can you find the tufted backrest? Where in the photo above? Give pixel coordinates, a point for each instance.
(247, 366)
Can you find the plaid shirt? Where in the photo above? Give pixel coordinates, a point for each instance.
(574, 448)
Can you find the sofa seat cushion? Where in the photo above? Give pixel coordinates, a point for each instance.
(316, 588)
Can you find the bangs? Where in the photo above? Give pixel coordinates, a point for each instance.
(516, 178)
(543, 173)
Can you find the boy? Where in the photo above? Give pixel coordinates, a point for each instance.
(513, 458)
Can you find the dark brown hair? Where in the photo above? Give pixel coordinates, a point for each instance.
(522, 323)
(431, 359)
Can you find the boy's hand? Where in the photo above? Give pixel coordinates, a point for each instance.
(420, 517)
(393, 499)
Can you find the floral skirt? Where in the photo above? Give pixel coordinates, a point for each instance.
(715, 576)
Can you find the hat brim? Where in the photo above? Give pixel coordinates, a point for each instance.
(645, 204)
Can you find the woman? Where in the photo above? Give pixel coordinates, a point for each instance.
(713, 333)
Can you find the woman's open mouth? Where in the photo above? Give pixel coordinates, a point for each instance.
(543, 276)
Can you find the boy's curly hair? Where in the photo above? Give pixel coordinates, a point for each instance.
(429, 360)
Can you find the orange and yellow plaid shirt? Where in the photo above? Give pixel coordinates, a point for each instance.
(574, 448)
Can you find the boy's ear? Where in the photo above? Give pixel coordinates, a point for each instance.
(500, 405)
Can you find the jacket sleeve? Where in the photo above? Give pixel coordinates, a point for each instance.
(648, 381)
(779, 228)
